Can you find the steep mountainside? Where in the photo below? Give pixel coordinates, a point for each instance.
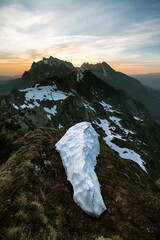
(36, 199)
(132, 86)
(62, 102)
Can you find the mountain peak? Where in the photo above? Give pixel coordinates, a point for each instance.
(53, 61)
(102, 66)
(47, 67)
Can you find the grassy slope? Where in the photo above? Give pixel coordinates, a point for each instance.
(36, 199)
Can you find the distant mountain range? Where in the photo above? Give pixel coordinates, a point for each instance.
(5, 77)
(151, 80)
(35, 197)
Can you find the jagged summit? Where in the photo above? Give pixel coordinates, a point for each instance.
(101, 70)
(56, 62)
(103, 64)
(47, 67)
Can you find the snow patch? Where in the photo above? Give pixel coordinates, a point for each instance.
(138, 119)
(79, 77)
(78, 149)
(106, 106)
(49, 117)
(117, 122)
(95, 93)
(36, 104)
(44, 93)
(88, 106)
(27, 105)
(15, 106)
(123, 152)
(51, 111)
(60, 126)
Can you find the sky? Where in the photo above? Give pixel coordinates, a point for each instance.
(123, 33)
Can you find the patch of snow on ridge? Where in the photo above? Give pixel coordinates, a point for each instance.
(78, 149)
(88, 106)
(79, 76)
(123, 152)
(106, 106)
(16, 107)
(44, 93)
(60, 126)
(27, 105)
(138, 119)
(51, 111)
(117, 122)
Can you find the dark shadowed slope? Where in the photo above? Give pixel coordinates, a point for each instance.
(131, 85)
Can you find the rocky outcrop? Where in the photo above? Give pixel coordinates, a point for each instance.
(48, 67)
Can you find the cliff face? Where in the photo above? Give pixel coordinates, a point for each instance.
(48, 67)
(36, 199)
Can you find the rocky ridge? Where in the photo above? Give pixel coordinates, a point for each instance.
(33, 182)
(130, 85)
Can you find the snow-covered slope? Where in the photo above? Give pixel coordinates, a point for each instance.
(126, 134)
(34, 96)
(78, 149)
(123, 152)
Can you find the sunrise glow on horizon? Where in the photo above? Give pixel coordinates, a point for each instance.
(12, 69)
(123, 33)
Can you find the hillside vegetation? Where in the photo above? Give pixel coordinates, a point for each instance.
(36, 199)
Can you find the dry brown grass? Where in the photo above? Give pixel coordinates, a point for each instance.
(36, 200)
